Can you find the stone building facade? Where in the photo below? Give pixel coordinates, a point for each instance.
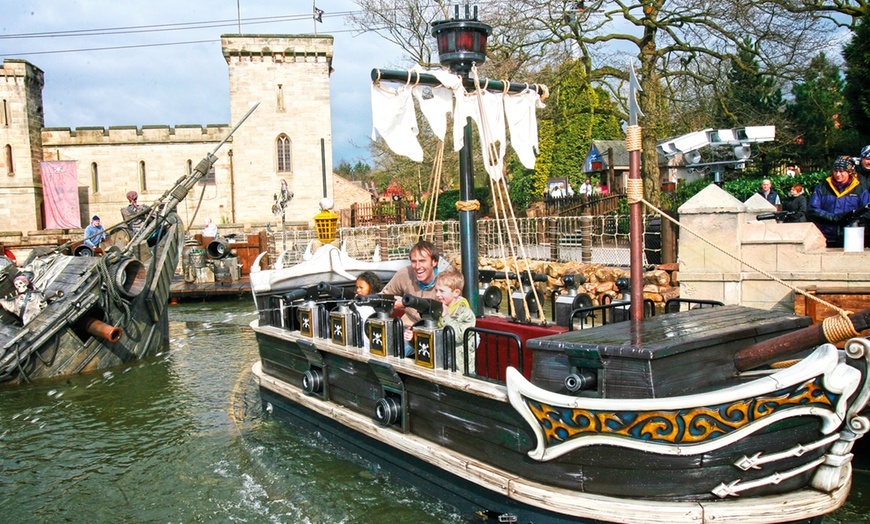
(288, 137)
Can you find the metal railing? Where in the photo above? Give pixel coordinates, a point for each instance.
(602, 239)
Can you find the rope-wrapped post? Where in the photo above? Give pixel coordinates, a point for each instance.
(586, 239)
(833, 329)
(553, 238)
(633, 140)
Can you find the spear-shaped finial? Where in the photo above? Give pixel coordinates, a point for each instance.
(633, 88)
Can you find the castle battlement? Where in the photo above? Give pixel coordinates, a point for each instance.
(148, 134)
(15, 70)
(277, 48)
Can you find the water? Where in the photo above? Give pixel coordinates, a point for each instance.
(181, 438)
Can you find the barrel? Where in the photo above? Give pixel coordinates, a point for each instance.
(197, 257)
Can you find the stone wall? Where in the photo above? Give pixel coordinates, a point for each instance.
(21, 120)
(287, 74)
(793, 253)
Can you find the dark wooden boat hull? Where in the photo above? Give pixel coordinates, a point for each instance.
(493, 432)
(473, 423)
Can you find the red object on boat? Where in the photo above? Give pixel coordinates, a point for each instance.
(493, 350)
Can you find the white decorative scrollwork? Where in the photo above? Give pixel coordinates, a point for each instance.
(857, 349)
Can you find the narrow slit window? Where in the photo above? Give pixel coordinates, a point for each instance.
(285, 154)
(143, 181)
(95, 178)
(7, 157)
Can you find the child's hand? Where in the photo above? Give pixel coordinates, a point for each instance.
(409, 334)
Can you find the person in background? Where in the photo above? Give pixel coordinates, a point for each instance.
(367, 283)
(134, 209)
(586, 188)
(770, 194)
(797, 204)
(604, 190)
(457, 314)
(837, 201)
(863, 167)
(597, 189)
(210, 229)
(94, 233)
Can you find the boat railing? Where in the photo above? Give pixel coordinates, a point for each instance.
(601, 239)
(610, 313)
(496, 350)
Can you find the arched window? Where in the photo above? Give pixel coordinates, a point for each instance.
(7, 157)
(189, 167)
(285, 154)
(143, 183)
(95, 178)
(4, 113)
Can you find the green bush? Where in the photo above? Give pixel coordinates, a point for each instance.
(447, 203)
(743, 188)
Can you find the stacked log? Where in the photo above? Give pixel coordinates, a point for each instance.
(659, 284)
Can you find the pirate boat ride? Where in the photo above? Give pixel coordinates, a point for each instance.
(673, 418)
(71, 314)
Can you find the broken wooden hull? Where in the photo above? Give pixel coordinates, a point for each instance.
(116, 291)
(542, 453)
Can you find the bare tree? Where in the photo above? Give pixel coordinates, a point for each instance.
(682, 48)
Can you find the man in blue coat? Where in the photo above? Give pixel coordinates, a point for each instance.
(838, 201)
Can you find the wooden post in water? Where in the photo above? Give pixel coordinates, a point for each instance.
(553, 234)
(586, 239)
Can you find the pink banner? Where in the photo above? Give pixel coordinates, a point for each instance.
(60, 190)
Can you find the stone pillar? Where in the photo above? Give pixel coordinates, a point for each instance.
(706, 271)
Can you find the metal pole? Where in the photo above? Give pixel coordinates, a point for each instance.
(636, 233)
(323, 163)
(468, 222)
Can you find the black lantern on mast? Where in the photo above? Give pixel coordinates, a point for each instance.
(461, 41)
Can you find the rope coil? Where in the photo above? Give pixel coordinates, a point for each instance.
(633, 138)
(468, 205)
(838, 328)
(634, 190)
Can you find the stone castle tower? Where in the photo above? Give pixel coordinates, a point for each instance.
(288, 137)
(21, 121)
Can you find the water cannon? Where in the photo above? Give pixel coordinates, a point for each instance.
(490, 296)
(310, 314)
(564, 304)
(429, 309)
(431, 343)
(382, 304)
(218, 248)
(384, 333)
(302, 293)
(779, 216)
(572, 280)
(336, 292)
(623, 284)
(527, 295)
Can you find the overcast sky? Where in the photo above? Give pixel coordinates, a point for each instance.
(144, 81)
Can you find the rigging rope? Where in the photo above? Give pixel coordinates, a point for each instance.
(503, 207)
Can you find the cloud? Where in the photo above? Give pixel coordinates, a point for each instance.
(178, 84)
